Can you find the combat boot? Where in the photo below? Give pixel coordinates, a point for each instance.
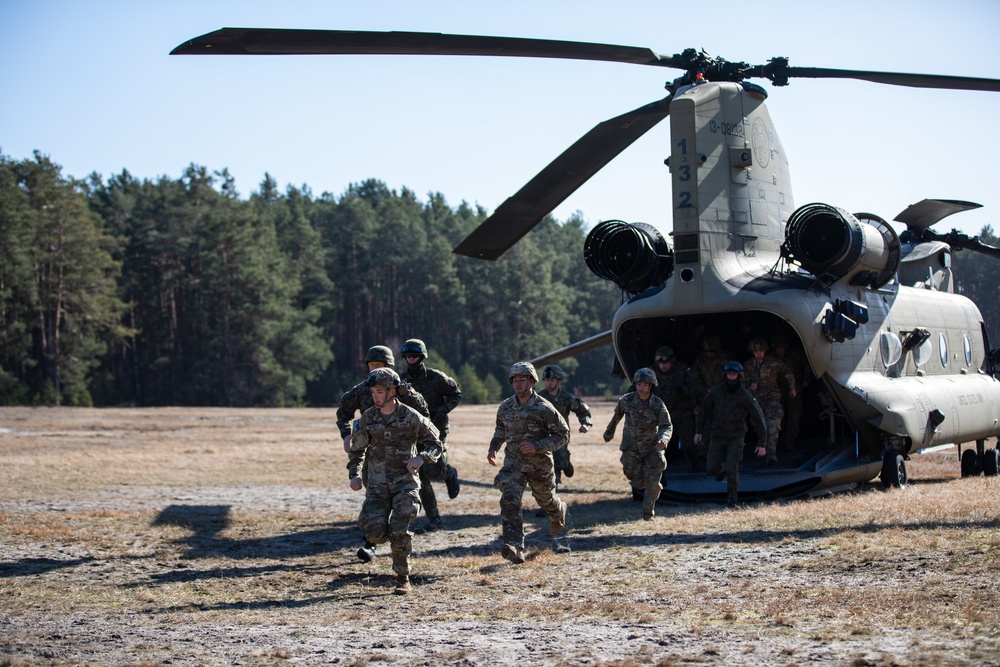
(402, 584)
(569, 470)
(366, 554)
(557, 524)
(451, 482)
(513, 553)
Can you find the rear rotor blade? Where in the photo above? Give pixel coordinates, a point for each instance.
(272, 41)
(898, 78)
(520, 213)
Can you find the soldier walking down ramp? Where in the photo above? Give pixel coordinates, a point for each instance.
(644, 438)
(395, 441)
(680, 388)
(762, 377)
(529, 429)
(723, 416)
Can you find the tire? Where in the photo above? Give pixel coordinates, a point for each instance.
(893, 471)
(991, 462)
(970, 463)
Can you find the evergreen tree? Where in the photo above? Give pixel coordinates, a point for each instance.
(70, 308)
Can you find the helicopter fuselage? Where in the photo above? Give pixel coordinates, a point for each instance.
(902, 363)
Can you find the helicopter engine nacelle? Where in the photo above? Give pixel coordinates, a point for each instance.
(634, 256)
(832, 244)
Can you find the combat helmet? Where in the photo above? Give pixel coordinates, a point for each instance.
(414, 346)
(553, 371)
(732, 367)
(380, 353)
(757, 343)
(711, 343)
(522, 368)
(382, 377)
(645, 375)
(664, 353)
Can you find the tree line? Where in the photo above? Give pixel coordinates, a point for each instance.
(180, 292)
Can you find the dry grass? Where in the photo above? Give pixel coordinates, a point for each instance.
(217, 536)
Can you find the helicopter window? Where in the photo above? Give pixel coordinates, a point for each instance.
(943, 349)
(891, 347)
(922, 354)
(968, 349)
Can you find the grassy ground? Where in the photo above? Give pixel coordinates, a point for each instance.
(216, 537)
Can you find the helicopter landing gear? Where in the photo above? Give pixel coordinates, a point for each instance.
(893, 470)
(991, 462)
(980, 460)
(970, 463)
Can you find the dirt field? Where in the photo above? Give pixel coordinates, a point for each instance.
(228, 537)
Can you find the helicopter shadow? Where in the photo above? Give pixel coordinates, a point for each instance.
(27, 567)
(207, 522)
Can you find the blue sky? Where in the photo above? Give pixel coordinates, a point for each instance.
(91, 85)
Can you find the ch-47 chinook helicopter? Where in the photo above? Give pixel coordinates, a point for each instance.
(901, 363)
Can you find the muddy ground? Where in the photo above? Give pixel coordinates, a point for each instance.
(228, 537)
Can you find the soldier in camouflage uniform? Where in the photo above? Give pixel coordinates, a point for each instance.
(708, 365)
(762, 377)
(529, 429)
(565, 402)
(723, 417)
(793, 404)
(442, 395)
(394, 441)
(644, 439)
(358, 399)
(680, 388)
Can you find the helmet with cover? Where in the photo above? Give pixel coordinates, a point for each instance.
(711, 343)
(758, 344)
(380, 353)
(645, 375)
(522, 368)
(382, 377)
(553, 371)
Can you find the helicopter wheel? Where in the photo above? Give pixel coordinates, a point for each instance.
(893, 471)
(991, 462)
(970, 463)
